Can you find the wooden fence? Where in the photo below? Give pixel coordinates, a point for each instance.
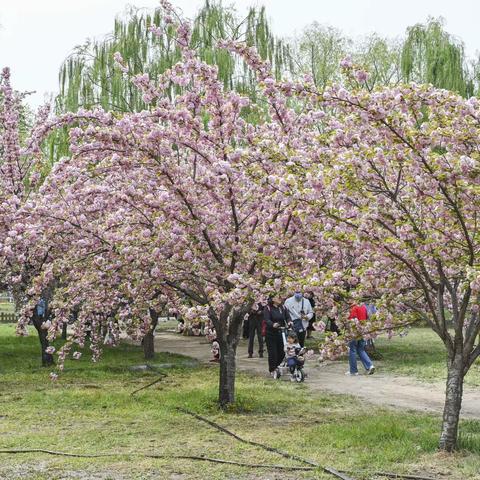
(8, 317)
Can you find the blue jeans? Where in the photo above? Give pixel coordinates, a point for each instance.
(358, 346)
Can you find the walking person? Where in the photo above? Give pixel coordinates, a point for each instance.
(357, 346)
(255, 319)
(332, 326)
(276, 316)
(301, 312)
(310, 329)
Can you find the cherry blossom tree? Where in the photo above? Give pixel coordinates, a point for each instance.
(175, 203)
(391, 181)
(24, 255)
(20, 165)
(398, 177)
(409, 161)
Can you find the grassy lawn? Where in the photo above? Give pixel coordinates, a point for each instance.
(91, 410)
(420, 354)
(164, 326)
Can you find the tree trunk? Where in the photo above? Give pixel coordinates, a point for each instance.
(229, 329)
(47, 358)
(64, 331)
(149, 346)
(228, 351)
(148, 341)
(453, 403)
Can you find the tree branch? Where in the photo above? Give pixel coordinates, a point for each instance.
(290, 456)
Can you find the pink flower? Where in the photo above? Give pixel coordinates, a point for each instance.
(346, 62)
(361, 76)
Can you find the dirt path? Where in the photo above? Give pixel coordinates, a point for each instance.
(380, 389)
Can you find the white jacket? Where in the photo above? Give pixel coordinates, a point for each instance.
(294, 308)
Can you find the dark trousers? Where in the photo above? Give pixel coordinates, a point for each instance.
(333, 327)
(301, 338)
(275, 350)
(255, 325)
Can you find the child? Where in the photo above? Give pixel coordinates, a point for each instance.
(215, 352)
(196, 329)
(180, 325)
(211, 335)
(294, 353)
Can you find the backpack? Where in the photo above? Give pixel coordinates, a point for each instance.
(298, 323)
(41, 307)
(264, 323)
(264, 328)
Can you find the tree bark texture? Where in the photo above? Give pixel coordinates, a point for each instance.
(453, 403)
(149, 339)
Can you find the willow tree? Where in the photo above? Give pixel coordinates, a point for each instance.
(381, 57)
(432, 55)
(88, 77)
(319, 51)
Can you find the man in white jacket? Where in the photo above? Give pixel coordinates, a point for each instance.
(300, 310)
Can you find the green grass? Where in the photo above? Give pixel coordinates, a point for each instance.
(90, 410)
(420, 354)
(167, 325)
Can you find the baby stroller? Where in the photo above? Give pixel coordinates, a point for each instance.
(296, 370)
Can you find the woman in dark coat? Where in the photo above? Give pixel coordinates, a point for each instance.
(275, 316)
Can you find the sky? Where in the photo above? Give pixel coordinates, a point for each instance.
(37, 35)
